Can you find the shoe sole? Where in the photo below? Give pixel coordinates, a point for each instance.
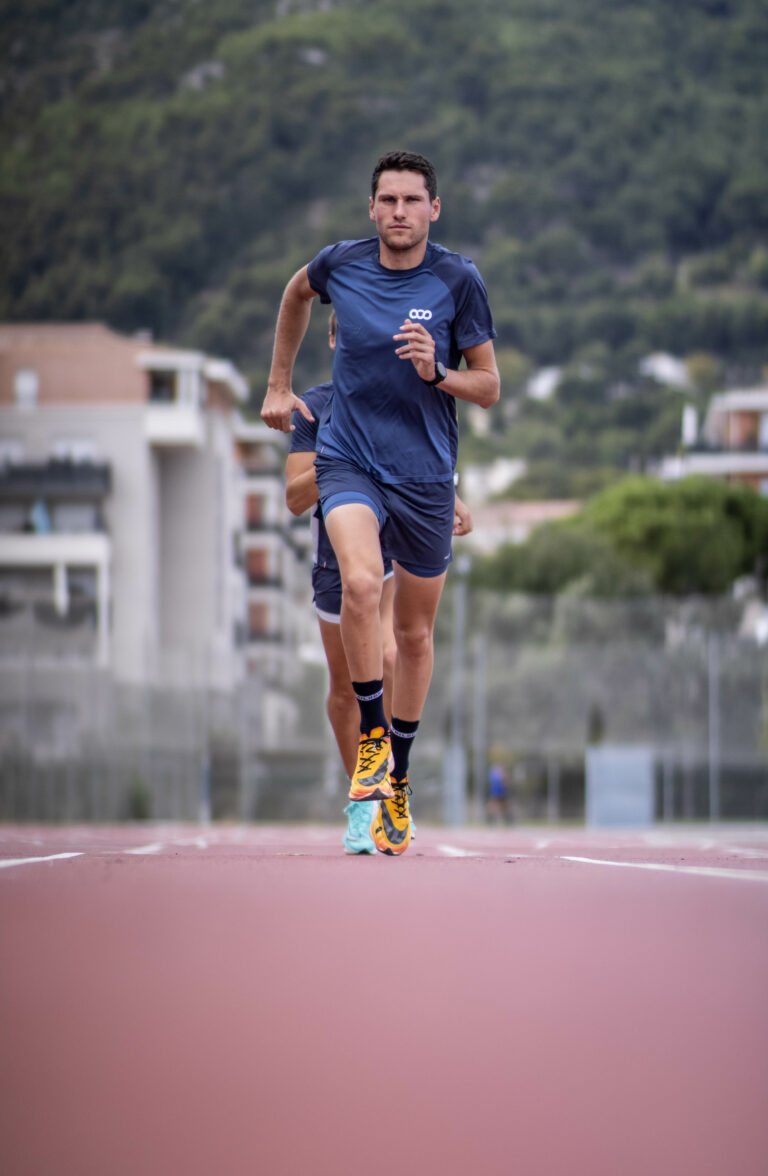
(393, 852)
(378, 792)
(389, 850)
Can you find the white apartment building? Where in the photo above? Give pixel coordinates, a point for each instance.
(142, 522)
(733, 442)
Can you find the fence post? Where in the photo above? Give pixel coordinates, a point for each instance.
(455, 763)
(713, 667)
(480, 766)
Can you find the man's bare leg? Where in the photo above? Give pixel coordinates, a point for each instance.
(341, 704)
(389, 649)
(354, 532)
(353, 529)
(415, 609)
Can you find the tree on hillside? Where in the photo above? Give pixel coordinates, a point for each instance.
(696, 536)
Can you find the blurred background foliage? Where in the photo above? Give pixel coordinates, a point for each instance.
(640, 537)
(167, 166)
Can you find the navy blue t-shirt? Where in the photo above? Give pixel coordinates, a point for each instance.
(383, 417)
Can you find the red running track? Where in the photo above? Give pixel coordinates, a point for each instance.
(178, 1000)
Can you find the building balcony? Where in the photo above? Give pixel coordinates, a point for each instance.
(260, 640)
(716, 464)
(61, 554)
(256, 527)
(266, 591)
(173, 424)
(265, 581)
(52, 480)
(82, 550)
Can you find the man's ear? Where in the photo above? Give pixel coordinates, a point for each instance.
(435, 213)
(370, 208)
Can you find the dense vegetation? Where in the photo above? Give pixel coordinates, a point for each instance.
(169, 165)
(639, 537)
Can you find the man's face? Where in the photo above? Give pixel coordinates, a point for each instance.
(402, 210)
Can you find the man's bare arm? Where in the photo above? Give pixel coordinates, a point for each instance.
(479, 383)
(462, 521)
(300, 484)
(292, 323)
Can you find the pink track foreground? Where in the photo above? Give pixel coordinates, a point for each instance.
(184, 1000)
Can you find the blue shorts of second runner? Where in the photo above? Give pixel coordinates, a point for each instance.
(326, 583)
(415, 518)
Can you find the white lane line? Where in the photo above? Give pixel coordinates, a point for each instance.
(31, 861)
(701, 871)
(454, 851)
(740, 851)
(155, 847)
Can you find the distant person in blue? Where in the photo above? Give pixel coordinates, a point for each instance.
(301, 494)
(498, 795)
(408, 312)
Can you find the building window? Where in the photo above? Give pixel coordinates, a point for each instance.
(254, 511)
(762, 433)
(258, 566)
(258, 620)
(162, 387)
(27, 386)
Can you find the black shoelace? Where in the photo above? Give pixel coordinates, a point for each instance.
(369, 748)
(400, 800)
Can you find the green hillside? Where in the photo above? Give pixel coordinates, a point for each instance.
(169, 165)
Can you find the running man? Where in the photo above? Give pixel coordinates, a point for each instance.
(408, 311)
(300, 495)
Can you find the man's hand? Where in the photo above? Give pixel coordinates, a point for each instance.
(419, 347)
(462, 519)
(278, 407)
(292, 323)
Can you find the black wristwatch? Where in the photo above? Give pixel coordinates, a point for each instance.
(441, 373)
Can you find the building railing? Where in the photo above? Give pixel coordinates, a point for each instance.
(54, 479)
(257, 580)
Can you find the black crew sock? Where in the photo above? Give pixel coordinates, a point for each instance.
(370, 697)
(402, 733)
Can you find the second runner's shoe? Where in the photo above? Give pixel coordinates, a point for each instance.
(357, 835)
(370, 780)
(391, 827)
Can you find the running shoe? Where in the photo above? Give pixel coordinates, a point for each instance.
(370, 780)
(391, 827)
(357, 835)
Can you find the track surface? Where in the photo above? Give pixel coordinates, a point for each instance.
(187, 1000)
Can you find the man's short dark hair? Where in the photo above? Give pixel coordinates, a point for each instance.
(405, 161)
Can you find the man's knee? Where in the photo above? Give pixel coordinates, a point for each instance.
(361, 589)
(413, 637)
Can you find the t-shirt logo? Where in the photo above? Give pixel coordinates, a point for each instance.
(420, 314)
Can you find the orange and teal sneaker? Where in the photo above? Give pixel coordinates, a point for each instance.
(370, 780)
(391, 827)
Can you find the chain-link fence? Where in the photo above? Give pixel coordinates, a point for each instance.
(523, 685)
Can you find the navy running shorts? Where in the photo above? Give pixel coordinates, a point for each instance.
(326, 585)
(415, 518)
